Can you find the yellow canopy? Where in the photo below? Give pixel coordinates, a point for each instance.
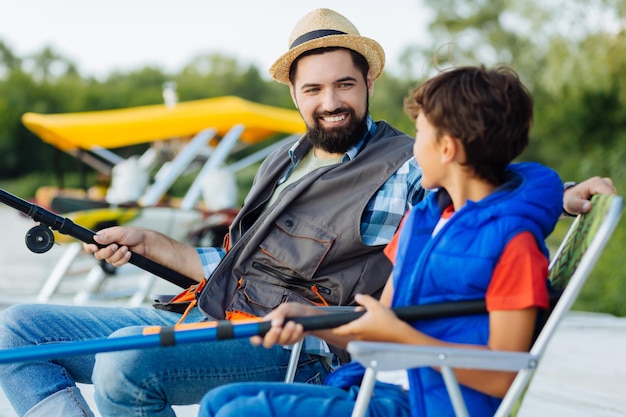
(123, 127)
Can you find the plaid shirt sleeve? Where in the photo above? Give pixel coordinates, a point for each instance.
(210, 257)
(385, 210)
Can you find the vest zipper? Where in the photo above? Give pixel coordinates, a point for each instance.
(289, 279)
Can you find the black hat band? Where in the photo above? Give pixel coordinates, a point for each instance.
(315, 35)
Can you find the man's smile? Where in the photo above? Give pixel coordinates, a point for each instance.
(334, 118)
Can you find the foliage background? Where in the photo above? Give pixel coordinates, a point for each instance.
(571, 55)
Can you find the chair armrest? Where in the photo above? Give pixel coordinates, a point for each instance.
(394, 356)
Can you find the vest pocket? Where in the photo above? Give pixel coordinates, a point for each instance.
(293, 236)
(287, 279)
(259, 298)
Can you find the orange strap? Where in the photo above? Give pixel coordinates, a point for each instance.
(191, 305)
(316, 291)
(189, 295)
(237, 315)
(226, 242)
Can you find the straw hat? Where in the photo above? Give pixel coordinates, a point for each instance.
(327, 28)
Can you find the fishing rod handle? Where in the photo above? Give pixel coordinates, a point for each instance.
(407, 313)
(68, 227)
(87, 236)
(326, 321)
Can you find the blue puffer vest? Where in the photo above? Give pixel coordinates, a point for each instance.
(457, 264)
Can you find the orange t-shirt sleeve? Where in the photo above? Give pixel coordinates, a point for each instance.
(391, 250)
(519, 279)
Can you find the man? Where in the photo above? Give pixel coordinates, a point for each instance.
(312, 229)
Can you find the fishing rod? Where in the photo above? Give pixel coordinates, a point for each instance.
(40, 239)
(157, 336)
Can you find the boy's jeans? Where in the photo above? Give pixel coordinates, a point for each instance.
(288, 400)
(144, 382)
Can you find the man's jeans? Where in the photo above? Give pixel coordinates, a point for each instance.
(144, 382)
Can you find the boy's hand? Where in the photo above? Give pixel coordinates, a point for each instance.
(378, 323)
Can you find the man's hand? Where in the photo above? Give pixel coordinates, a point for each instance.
(118, 243)
(283, 331)
(576, 198)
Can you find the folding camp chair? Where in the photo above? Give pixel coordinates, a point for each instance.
(569, 269)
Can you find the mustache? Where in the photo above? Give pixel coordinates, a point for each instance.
(333, 112)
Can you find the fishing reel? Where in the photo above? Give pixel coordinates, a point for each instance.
(39, 239)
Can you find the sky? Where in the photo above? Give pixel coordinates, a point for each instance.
(105, 35)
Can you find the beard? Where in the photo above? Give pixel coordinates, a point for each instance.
(337, 139)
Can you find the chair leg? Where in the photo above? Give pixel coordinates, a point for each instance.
(147, 281)
(365, 393)
(454, 391)
(59, 271)
(293, 361)
(94, 280)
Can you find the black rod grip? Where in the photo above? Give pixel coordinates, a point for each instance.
(409, 313)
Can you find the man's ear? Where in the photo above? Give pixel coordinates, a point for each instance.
(370, 84)
(293, 95)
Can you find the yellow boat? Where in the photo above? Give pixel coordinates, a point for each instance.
(97, 132)
(130, 126)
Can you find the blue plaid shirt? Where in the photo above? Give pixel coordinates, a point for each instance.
(383, 212)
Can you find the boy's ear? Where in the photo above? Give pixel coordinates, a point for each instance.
(449, 148)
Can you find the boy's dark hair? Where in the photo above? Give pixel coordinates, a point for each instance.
(358, 60)
(488, 110)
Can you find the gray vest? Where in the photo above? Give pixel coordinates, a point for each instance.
(307, 246)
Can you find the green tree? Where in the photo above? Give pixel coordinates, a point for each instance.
(48, 64)
(8, 60)
(387, 101)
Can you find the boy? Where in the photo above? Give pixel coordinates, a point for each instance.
(480, 234)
